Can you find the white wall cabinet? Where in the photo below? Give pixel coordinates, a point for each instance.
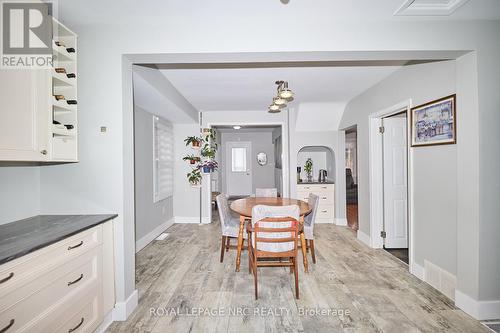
(326, 194)
(28, 108)
(65, 287)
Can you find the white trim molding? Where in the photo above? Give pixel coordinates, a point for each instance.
(342, 221)
(141, 243)
(191, 219)
(417, 270)
(364, 238)
(480, 310)
(123, 309)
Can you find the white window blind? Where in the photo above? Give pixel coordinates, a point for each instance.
(163, 159)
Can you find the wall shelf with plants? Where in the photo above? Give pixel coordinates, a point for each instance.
(203, 159)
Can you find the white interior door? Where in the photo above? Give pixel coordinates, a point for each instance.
(238, 168)
(395, 182)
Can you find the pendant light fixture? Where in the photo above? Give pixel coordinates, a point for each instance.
(284, 95)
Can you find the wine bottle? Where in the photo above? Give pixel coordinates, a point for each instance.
(60, 70)
(59, 97)
(70, 50)
(71, 101)
(71, 75)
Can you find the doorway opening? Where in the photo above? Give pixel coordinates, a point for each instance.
(351, 176)
(250, 157)
(395, 183)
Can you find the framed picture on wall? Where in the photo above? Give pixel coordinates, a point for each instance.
(434, 123)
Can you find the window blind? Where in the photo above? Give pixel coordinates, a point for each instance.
(163, 159)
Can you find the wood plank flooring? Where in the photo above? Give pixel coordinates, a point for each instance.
(182, 274)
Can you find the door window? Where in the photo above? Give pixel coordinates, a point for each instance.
(239, 159)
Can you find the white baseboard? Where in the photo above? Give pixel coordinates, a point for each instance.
(364, 238)
(108, 320)
(191, 219)
(123, 309)
(417, 270)
(141, 243)
(342, 221)
(480, 310)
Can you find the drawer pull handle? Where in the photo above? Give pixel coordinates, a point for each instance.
(77, 326)
(75, 281)
(75, 246)
(7, 278)
(324, 198)
(324, 211)
(12, 321)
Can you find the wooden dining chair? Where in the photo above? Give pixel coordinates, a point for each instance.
(273, 237)
(266, 192)
(229, 223)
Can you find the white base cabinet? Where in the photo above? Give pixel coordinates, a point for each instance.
(326, 194)
(65, 287)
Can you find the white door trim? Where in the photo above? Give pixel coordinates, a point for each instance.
(376, 179)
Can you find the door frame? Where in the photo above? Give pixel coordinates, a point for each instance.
(227, 166)
(376, 177)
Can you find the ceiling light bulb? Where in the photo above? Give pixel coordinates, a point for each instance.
(279, 101)
(237, 127)
(273, 111)
(286, 93)
(274, 107)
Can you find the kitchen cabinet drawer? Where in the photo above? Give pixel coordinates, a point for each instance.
(325, 212)
(30, 268)
(83, 275)
(324, 198)
(85, 320)
(315, 187)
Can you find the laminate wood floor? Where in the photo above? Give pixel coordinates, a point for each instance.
(373, 289)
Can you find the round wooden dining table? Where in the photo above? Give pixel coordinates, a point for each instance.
(244, 207)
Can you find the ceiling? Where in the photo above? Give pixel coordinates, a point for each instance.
(174, 12)
(252, 89)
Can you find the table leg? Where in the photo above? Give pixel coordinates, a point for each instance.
(303, 246)
(240, 243)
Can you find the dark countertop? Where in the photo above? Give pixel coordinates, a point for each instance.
(25, 236)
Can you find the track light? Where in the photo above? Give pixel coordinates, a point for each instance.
(284, 95)
(284, 92)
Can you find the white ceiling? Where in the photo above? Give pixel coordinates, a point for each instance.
(154, 12)
(253, 88)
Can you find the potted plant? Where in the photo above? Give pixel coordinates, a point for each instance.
(191, 158)
(194, 178)
(209, 166)
(308, 166)
(193, 140)
(207, 151)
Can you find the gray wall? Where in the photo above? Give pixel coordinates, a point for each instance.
(434, 168)
(262, 176)
(148, 214)
(19, 193)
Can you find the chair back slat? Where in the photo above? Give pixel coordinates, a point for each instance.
(266, 192)
(275, 228)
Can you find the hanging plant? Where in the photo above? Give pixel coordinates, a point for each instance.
(208, 151)
(194, 178)
(194, 141)
(192, 159)
(209, 166)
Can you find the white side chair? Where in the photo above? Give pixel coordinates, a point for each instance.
(309, 220)
(229, 223)
(266, 192)
(273, 235)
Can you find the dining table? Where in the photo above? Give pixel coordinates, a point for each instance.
(243, 207)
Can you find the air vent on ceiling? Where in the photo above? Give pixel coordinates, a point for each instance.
(429, 7)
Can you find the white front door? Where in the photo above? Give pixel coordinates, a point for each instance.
(238, 168)
(395, 182)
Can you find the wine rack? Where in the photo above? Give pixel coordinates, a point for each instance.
(63, 85)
